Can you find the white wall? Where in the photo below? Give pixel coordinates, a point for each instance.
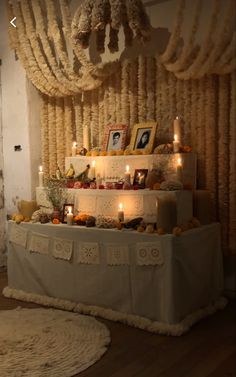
(17, 180)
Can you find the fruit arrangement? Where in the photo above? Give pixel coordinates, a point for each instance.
(81, 219)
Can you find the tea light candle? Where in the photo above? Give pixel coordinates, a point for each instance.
(86, 138)
(176, 144)
(179, 170)
(74, 149)
(177, 129)
(121, 216)
(41, 176)
(69, 217)
(127, 175)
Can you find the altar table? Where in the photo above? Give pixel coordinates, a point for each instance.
(163, 278)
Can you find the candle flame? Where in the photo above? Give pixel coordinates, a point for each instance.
(121, 207)
(40, 168)
(127, 168)
(69, 210)
(93, 163)
(74, 144)
(175, 137)
(179, 161)
(177, 117)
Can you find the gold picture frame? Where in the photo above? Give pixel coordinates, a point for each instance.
(143, 136)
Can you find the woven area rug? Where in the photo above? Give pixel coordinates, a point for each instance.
(49, 342)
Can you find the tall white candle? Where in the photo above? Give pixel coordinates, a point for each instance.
(41, 176)
(177, 129)
(179, 170)
(127, 175)
(86, 143)
(176, 144)
(121, 216)
(93, 171)
(74, 149)
(69, 217)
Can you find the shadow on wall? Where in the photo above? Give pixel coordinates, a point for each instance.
(158, 40)
(156, 45)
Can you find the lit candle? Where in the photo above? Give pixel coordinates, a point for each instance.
(92, 171)
(41, 175)
(176, 144)
(127, 175)
(121, 216)
(179, 170)
(86, 137)
(69, 216)
(177, 129)
(74, 149)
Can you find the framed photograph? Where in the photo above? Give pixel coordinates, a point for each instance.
(143, 136)
(140, 176)
(115, 137)
(66, 209)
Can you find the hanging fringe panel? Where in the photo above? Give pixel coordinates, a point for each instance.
(52, 135)
(142, 109)
(61, 150)
(78, 120)
(44, 133)
(133, 94)
(101, 121)
(150, 87)
(125, 108)
(94, 119)
(68, 128)
(117, 80)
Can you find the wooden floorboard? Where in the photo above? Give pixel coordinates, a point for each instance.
(207, 350)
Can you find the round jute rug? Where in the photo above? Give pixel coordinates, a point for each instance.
(49, 343)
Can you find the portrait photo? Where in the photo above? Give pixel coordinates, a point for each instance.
(140, 176)
(115, 137)
(143, 136)
(66, 209)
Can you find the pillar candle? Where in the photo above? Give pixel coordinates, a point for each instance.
(41, 176)
(69, 217)
(176, 144)
(74, 149)
(93, 171)
(86, 144)
(177, 129)
(98, 180)
(127, 175)
(179, 171)
(121, 216)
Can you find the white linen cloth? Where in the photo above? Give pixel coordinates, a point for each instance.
(189, 277)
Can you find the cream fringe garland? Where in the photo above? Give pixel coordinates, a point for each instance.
(133, 320)
(124, 98)
(41, 43)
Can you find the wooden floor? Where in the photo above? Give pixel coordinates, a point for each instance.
(208, 350)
